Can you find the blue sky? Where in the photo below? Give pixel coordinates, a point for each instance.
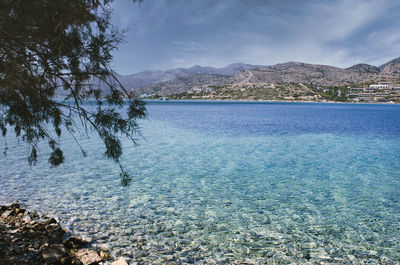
(167, 34)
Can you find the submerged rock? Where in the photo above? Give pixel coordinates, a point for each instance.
(120, 261)
(104, 255)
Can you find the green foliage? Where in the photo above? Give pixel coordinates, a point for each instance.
(50, 48)
(334, 93)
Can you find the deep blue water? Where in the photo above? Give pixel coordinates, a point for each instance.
(227, 182)
(266, 118)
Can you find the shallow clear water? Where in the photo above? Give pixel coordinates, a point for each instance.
(229, 182)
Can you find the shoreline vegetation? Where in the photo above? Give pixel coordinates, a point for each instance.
(32, 238)
(383, 92)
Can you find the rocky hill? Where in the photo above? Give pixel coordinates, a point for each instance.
(364, 68)
(242, 76)
(391, 68)
(176, 77)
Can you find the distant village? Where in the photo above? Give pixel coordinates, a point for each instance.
(382, 92)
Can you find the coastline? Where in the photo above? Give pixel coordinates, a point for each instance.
(33, 238)
(267, 101)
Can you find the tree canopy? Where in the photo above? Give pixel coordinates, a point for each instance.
(51, 48)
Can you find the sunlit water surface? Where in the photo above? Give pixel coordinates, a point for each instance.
(222, 183)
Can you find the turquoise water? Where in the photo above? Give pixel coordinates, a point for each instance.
(221, 183)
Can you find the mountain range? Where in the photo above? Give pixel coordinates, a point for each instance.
(241, 75)
(155, 77)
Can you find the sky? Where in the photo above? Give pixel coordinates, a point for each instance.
(165, 34)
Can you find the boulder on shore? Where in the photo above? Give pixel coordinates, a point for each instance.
(27, 238)
(88, 256)
(54, 253)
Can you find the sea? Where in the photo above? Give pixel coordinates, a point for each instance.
(223, 182)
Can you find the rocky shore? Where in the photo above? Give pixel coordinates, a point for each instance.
(30, 238)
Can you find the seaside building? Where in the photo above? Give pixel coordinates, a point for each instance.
(382, 86)
(382, 92)
(356, 90)
(380, 95)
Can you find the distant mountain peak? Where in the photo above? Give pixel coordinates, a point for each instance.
(391, 68)
(193, 67)
(394, 61)
(289, 64)
(364, 68)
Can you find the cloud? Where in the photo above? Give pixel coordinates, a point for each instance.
(182, 33)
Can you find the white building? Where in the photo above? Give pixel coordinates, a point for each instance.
(382, 86)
